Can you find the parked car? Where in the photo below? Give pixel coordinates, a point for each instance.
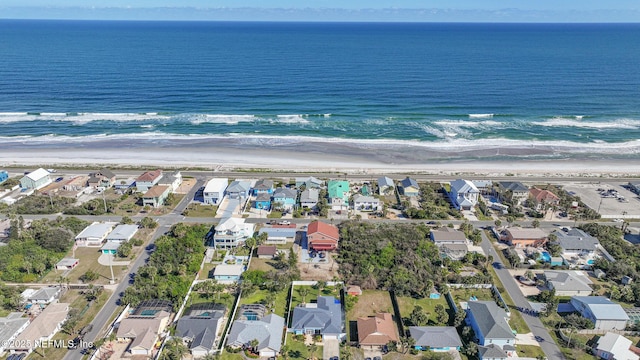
(322, 255)
(59, 179)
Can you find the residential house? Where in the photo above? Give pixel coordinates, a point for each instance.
(322, 236)
(626, 280)
(35, 180)
(492, 352)
(173, 180)
(338, 192)
(148, 180)
(263, 186)
(454, 251)
(266, 251)
(612, 346)
(144, 326)
(386, 186)
(156, 196)
(578, 247)
(309, 198)
(489, 322)
(377, 331)
(200, 328)
(45, 295)
(4, 175)
(278, 235)
(228, 273)
(214, 191)
(285, 199)
(104, 178)
(635, 186)
(568, 283)
(543, 199)
(110, 248)
(409, 187)
(321, 318)
(448, 235)
(523, 237)
(122, 233)
(513, 191)
(75, 187)
(238, 189)
(231, 232)
(67, 263)
(263, 201)
(605, 314)
(463, 194)
(10, 327)
(41, 329)
(268, 332)
(366, 203)
(252, 312)
(435, 338)
(484, 186)
(94, 234)
(124, 184)
(309, 183)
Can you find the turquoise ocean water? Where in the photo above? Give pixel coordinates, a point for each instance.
(574, 88)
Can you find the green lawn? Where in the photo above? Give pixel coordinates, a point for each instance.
(230, 356)
(206, 269)
(258, 297)
(226, 299)
(464, 294)
(530, 351)
(407, 304)
(274, 215)
(298, 350)
(199, 210)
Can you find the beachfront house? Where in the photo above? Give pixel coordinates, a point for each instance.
(238, 189)
(322, 236)
(523, 237)
(267, 331)
(156, 196)
(104, 178)
(284, 199)
(214, 191)
(489, 322)
(338, 192)
(604, 313)
(512, 191)
(613, 346)
(94, 234)
(4, 176)
(409, 187)
(366, 203)
(309, 183)
(148, 180)
(463, 194)
(173, 180)
(309, 198)
(200, 328)
(263, 201)
(435, 338)
(386, 186)
(263, 186)
(231, 232)
(321, 318)
(375, 332)
(35, 180)
(543, 199)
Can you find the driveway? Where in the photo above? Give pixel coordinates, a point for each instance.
(331, 348)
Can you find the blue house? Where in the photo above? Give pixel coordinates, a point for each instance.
(322, 318)
(285, 198)
(263, 186)
(263, 201)
(3, 176)
(489, 322)
(435, 338)
(226, 272)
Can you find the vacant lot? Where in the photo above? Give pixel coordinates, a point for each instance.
(369, 303)
(407, 304)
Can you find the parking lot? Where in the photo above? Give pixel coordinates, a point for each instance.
(609, 207)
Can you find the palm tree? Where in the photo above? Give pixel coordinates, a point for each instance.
(254, 345)
(312, 350)
(303, 291)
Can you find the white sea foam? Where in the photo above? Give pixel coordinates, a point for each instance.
(230, 119)
(292, 119)
(468, 124)
(568, 122)
(476, 116)
(78, 118)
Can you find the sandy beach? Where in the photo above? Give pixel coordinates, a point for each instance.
(342, 157)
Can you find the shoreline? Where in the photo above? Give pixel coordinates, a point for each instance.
(318, 158)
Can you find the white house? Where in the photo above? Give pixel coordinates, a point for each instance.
(36, 179)
(173, 180)
(41, 329)
(10, 327)
(366, 203)
(214, 190)
(605, 314)
(386, 185)
(231, 232)
(615, 347)
(122, 233)
(309, 198)
(463, 194)
(94, 234)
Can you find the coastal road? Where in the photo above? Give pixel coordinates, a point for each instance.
(548, 344)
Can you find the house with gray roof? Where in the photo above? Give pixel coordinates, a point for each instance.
(268, 332)
(435, 338)
(321, 318)
(199, 329)
(263, 186)
(605, 314)
(463, 194)
(122, 233)
(491, 352)
(238, 189)
(45, 295)
(278, 235)
(513, 191)
(94, 234)
(10, 327)
(489, 322)
(284, 198)
(409, 187)
(576, 242)
(309, 198)
(568, 283)
(309, 182)
(386, 185)
(366, 203)
(614, 347)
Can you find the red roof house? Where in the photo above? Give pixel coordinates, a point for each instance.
(322, 236)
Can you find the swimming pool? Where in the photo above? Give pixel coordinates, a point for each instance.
(545, 257)
(591, 262)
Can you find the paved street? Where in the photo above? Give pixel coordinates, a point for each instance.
(535, 325)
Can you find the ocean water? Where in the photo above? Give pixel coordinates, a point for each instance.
(571, 88)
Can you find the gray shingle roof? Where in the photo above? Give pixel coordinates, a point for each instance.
(407, 182)
(576, 239)
(200, 327)
(602, 308)
(491, 351)
(491, 320)
(309, 195)
(513, 186)
(239, 186)
(435, 336)
(285, 193)
(268, 332)
(326, 316)
(385, 181)
(264, 184)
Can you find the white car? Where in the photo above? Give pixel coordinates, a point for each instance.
(618, 220)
